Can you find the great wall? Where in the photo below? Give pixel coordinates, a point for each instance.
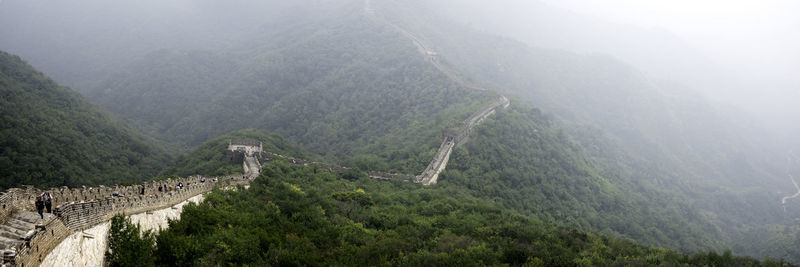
(450, 139)
(26, 239)
(79, 213)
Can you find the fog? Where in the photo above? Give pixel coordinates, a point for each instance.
(753, 40)
(742, 53)
(665, 100)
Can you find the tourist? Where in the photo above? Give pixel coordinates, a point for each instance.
(159, 188)
(202, 179)
(48, 201)
(180, 185)
(141, 191)
(40, 206)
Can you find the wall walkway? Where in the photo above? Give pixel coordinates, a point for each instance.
(26, 240)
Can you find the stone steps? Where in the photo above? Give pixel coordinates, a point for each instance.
(8, 243)
(19, 227)
(11, 232)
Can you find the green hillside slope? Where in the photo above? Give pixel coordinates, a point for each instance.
(207, 160)
(622, 155)
(51, 136)
(301, 215)
(705, 164)
(527, 162)
(339, 87)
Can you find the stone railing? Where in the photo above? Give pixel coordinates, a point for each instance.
(77, 209)
(47, 237)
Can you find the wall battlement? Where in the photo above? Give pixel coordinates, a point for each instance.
(238, 150)
(77, 209)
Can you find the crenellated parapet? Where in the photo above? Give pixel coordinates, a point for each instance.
(46, 238)
(77, 209)
(239, 150)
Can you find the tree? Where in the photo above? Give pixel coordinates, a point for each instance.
(129, 245)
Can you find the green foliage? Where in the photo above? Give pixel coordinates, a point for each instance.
(527, 163)
(299, 215)
(209, 159)
(660, 169)
(339, 85)
(51, 136)
(665, 150)
(128, 245)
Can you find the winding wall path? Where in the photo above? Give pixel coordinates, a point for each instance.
(84, 213)
(26, 240)
(439, 162)
(793, 159)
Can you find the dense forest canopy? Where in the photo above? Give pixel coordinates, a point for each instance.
(590, 143)
(318, 85)
(302, 215)
(652, 136)
(51, 136)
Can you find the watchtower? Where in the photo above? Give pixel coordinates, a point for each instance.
(238, 149)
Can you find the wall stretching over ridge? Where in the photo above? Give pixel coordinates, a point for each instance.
(83, 208)
(88, 247)
(451, 139)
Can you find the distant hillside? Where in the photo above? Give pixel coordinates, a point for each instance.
(209, 158)
(528, 162)
(609, 149)
(51, 136)
(339, 84)
(307, 216)
(658, 52)
(646, 136)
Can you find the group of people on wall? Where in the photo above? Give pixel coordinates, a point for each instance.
(44, 201)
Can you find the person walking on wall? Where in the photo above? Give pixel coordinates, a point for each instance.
(48, 201)
(141, 189)
(40, 206)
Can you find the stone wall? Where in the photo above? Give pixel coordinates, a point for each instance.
(46, 238)
(77, 209)
(452, 139)
(86, 214)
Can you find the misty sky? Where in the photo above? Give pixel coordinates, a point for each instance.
(756, 38)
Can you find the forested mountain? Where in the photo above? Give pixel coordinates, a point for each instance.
(208, 160)
(304, 215)
(606, 149)
(51, 136)
(529, 163)
(76, 42)
(339, 85)
(306, 71)
(655, 51)
(651, 136)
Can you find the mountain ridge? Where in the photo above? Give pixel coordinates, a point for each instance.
(53, 137)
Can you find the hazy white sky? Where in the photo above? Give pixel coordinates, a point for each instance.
(758, 33)
(759, 39)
